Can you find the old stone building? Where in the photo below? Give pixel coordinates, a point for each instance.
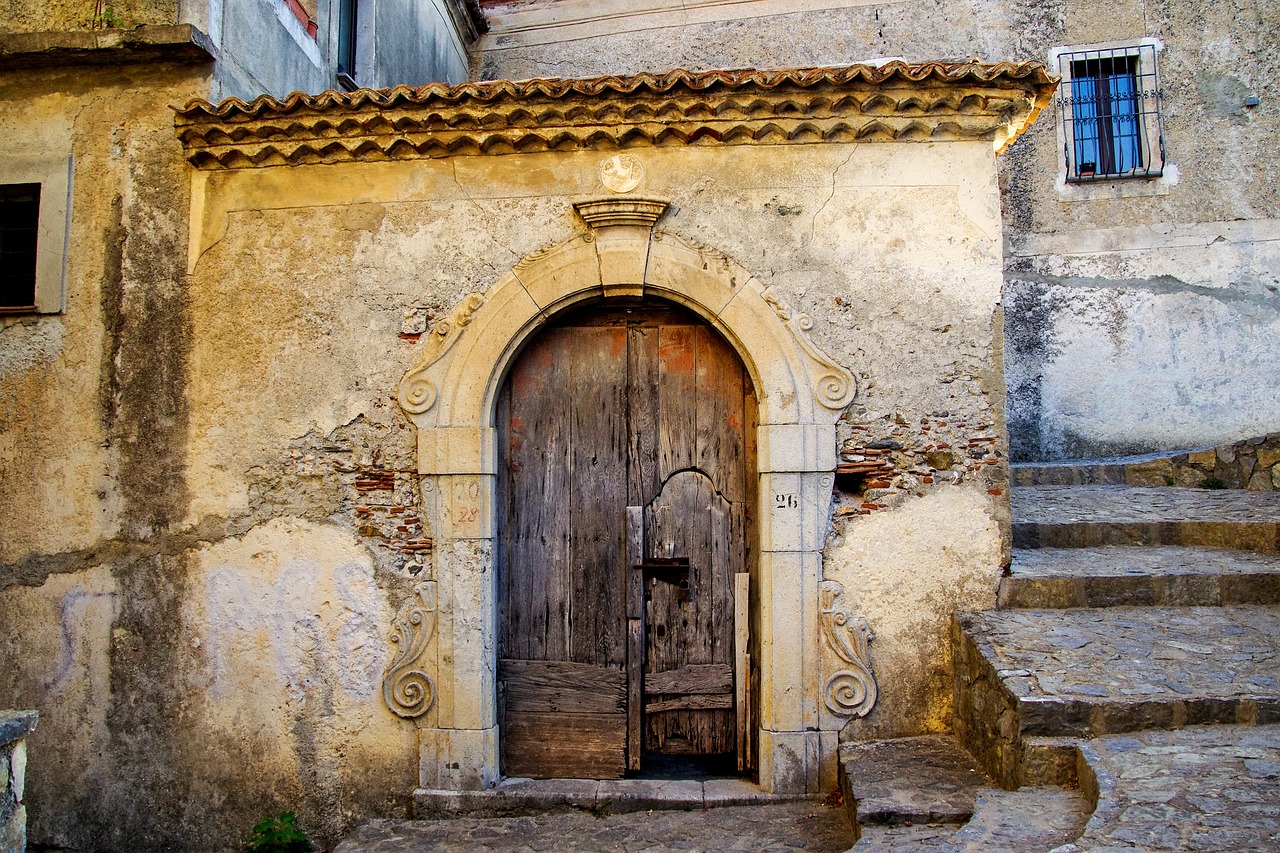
(341, 430)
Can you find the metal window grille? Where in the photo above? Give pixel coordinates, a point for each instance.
(1110, 101)
(19, 223)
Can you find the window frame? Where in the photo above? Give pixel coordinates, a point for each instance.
(54, 176)
(1142, 125)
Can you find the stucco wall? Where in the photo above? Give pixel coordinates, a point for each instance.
(206, 628)
(1134, 310)
(26, 16)
(1140, 314)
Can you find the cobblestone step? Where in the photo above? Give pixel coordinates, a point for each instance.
(928, 779)
(1095, 671)
(1203, 788)
(1162, 576)
(1090, 516)
(1029, 820)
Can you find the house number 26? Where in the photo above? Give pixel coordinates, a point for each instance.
(785, 500)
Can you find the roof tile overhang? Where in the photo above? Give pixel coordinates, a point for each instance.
(896, 101)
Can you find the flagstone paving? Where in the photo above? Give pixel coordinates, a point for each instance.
(812, 826)
(1205, 788)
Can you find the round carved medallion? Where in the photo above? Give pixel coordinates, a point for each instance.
(621, 173)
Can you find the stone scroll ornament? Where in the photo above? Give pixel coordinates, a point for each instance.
(851, 691)
(407, 690)
(835, 387)
(417, 394)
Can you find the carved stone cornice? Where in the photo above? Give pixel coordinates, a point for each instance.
(625, 210)
(896, 101)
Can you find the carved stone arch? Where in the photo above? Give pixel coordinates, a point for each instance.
(450, 393)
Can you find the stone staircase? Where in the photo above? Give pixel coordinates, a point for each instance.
(1128, 683)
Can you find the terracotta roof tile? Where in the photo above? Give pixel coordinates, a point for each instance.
(1034, 74)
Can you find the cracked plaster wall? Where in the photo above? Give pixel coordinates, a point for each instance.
(189, 678)
(1166, 262)
(211, 507)
(895, 259)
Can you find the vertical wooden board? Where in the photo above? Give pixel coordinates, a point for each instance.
(741, 629)
(635, 634)
(677, 404)
(635, 692)
(643, 479)
(598, 495)
(537, 523)
(719, 377)
(502, 424)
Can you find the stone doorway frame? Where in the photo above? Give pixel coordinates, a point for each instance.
(450, 396)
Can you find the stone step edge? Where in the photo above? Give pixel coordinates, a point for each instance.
(1071, 763)
(1258, 536)
(993, 723)
(514, 797)
(1200, 589)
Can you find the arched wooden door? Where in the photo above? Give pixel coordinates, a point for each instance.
(626, 485)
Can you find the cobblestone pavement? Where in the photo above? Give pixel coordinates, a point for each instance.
(1031, 820)
(1207, 788)
(1134, 653)
(1111, 504)
(770, 828)
(1120, 560)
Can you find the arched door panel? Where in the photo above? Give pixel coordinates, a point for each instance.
(642, 408)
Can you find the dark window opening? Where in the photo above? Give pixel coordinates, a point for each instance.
(19, 222)
(1111, 112)
(348, 15)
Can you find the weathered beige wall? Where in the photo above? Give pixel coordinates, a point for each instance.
(210, 497)
(191, 677)
(1136, 311)
(27, 16)
(893, 255)
(1140, 313)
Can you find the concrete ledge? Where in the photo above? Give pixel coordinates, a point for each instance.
(178, 43)
(515, 797)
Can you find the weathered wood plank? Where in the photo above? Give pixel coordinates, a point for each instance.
(741, 636)
(635, 635)
(699, 702)
(677, 407)
(548, 686)
(696, 678)
(644, 480)
(635, 692)
(546, 746)
(537, 468)
(598, 460)
(635, 554)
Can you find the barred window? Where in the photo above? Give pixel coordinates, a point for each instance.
(1110, 100)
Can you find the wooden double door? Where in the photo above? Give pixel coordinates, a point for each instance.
(626, 485)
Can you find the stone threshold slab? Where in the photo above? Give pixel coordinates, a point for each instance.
(925, 779)
(514, 797)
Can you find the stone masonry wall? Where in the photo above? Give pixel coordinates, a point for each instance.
(1252, 464)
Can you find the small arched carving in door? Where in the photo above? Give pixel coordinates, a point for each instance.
(626, 485)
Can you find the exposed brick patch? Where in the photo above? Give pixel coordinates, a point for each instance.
(363, 474)
(890, 459)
